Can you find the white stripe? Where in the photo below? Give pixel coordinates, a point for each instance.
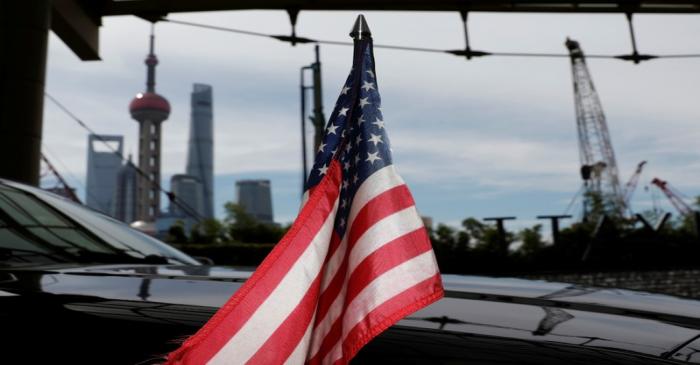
(386, 230)
(281, 302)
(377, 183)
(387, 286)
(381, 290)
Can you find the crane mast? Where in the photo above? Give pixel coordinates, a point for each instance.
(673, 197)
(598, 165)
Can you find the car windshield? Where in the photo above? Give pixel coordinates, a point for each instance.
(38, 228)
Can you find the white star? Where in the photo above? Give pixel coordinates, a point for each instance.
(375, 139)
(331, 128)
(379, 123)
(345, 184)
(346, 166)
(345, 90)
(361, 119)
(321, 147)
(322, 170)
(357, 159)
(368, 85)
(334, 151)
(343, 134)
(348, 147)
(343, 111)
(371, 157)
(370, 73)
(354, 179)
(364, 101)
(342, 222)
(344, 203)
(358, 139)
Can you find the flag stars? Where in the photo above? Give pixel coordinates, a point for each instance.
(343, 111)
(355, 179)
(322, 170)
(348, 147)
(344, 204)
(345, 184)
(361, 119)
(371, 157)
(342, 222)
(332, 128)
(345, 90)
(376, 139)
(370, 73)
(368, 86)
(346, 166)
(364, 101)
(321, 147)
(358, 139)
(379, 123)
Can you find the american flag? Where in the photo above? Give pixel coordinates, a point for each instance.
(356, 260)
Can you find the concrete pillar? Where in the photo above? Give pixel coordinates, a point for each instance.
(24, 30)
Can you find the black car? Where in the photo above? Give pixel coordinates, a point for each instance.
(77, 287)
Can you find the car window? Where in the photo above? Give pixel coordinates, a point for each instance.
(39, 227)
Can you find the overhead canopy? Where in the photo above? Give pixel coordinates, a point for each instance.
(589, 6)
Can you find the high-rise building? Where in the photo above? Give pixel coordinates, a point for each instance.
(189, 193)
(255, 197)
(149, 109)
(103, 165)
(200, 149)
(125, 194)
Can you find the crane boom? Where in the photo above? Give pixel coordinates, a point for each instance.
(673, 197)
(631, 185)
(61, 180)
(598, 164)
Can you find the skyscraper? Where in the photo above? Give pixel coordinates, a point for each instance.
(189, 192)
(255, 197)
(149, 109)
(125, 194)
(200, 149)
(103, 165)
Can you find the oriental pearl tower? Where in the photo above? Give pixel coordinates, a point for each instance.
(149, 109)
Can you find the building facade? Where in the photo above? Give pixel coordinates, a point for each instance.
(102, 169)
(190, 198)
(200, 148)
(126, 193)
(256, 198)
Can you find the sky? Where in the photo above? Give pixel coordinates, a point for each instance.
(486, 137)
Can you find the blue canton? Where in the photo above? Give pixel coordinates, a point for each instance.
(356, 127)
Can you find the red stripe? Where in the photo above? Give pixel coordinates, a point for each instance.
(385, 258)
(390, 312)
(333, 336)
(201, 347)
(383, 205)
(287, 336)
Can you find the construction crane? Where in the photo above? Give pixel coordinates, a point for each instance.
(674, 196)
(631, 185)
(598, 165)
(62, 186)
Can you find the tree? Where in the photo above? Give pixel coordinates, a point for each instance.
(243, 227)
(176, 233)
(532, 241)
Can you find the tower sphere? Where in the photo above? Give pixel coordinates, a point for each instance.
(149, 103)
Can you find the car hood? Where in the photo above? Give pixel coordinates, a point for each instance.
(652, 324)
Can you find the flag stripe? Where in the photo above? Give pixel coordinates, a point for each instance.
(280, 345)
(385, 258)
(386, 230)
(387, 285)
(281, 301)
(210, 338)
(390, 311)
(377, 183)
(381, 206)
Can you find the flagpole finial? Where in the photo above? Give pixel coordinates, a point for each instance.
(360, 30)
